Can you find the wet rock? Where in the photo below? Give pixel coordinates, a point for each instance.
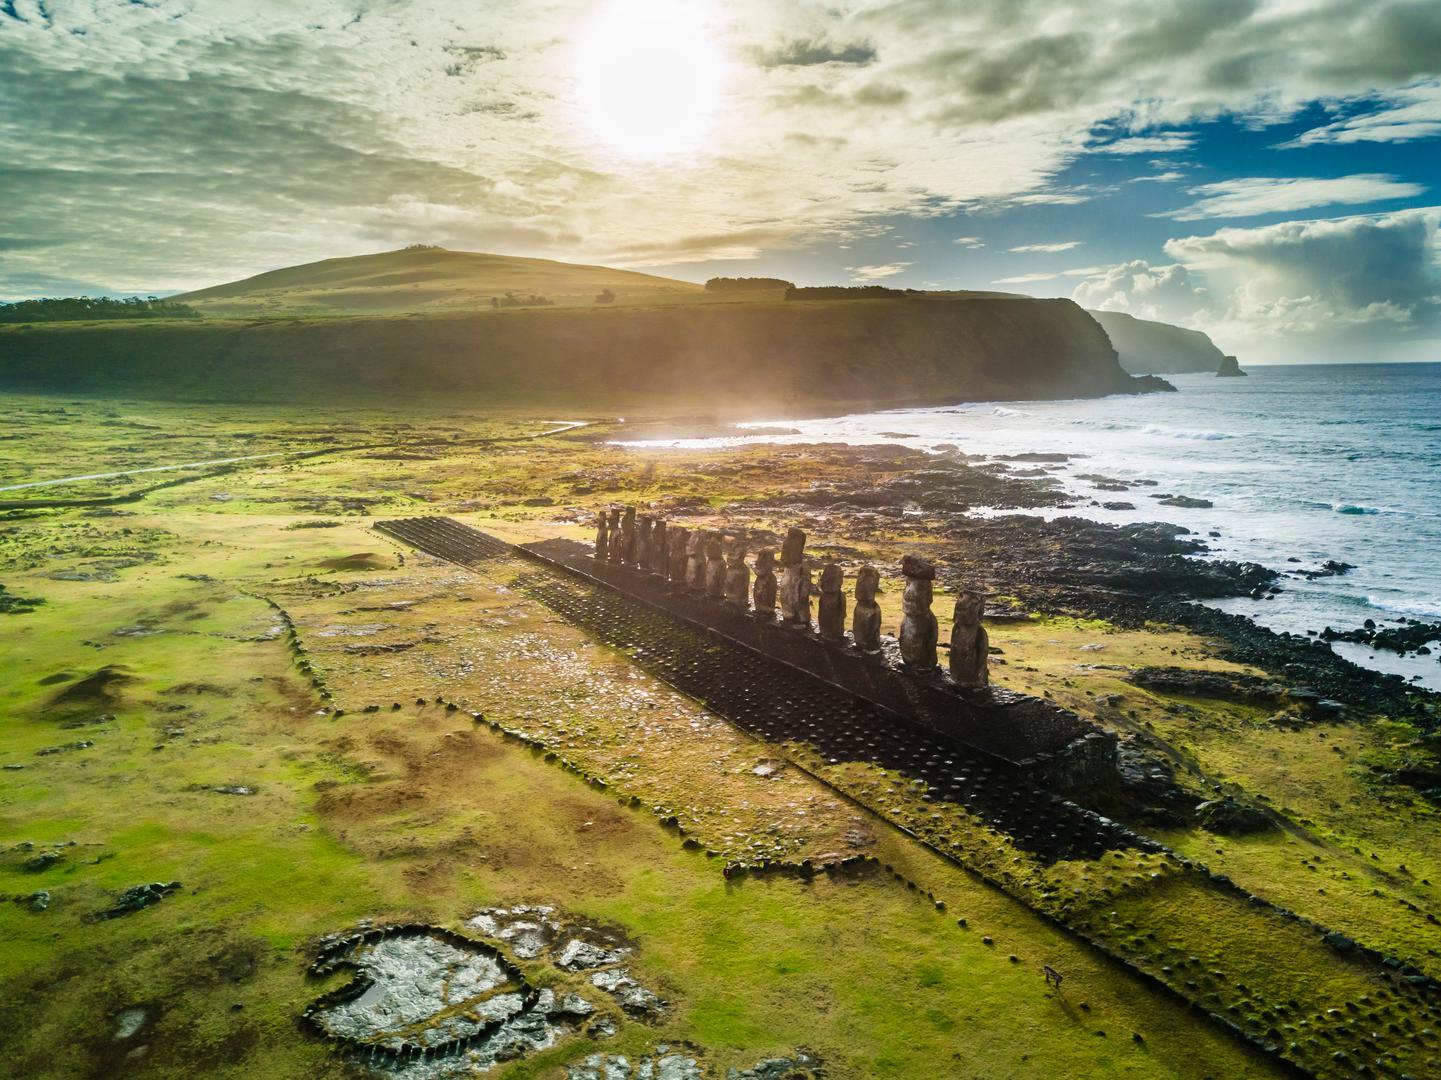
(581, 955)
(65, 748)
(1184, 501)
(529, 931)
(128, 1024)
(633, 998)
(1232, 818)
(136, 899)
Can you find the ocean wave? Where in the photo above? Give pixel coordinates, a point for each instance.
(1179, 433)
(1001, 410)
(1361, 509)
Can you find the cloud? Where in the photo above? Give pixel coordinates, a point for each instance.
(173, 144)
(1063, 245)
(1168, 142)
(1408, 115)
(876, 273)
(1170, 176)
(969, 242)
(1363, 287)
(1167, 293)
(1256, 195)
(812, 52)
(1023, 279)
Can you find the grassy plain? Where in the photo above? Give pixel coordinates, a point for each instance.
(161, 644)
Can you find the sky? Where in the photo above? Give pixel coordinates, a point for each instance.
(1262, 170)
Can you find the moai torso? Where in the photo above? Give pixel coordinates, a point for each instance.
(602, 537)
(918, 624)
(970, 645)
(642, 541)
(738, 575)
(627, 537)
(715, 566)
(764, 592)
(866, 623)
(613, 554)
(795, 583)
(695, 561)
(659, 549)
(679, 539)
(831, 612)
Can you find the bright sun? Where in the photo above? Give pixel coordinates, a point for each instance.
(650, 76)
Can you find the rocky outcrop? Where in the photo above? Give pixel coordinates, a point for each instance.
(736, 359)
(1147, 347)
(1229, 368)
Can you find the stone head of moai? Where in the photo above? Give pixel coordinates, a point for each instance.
(715, 566)
(763, 593)
(737, 574)
(969, 607)
(970, 644)
(679, 539)
(831, 614)
(695, 560)
(602, 536)
(866, 623)
(919, 630)
(615, 552)
(642, 539)
(793, 549)
(868, 584)
(659, 548)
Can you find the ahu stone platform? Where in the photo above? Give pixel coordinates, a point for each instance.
(1050, 745)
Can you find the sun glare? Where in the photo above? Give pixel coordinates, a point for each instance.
(650, 76)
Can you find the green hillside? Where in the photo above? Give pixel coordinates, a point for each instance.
(733, 357)
(426, 278)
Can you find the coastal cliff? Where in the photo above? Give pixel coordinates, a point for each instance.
(1146, 347)
(732, 358)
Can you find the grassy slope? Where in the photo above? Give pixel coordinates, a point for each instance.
(416, 815)
(423, 279)
(736, 356)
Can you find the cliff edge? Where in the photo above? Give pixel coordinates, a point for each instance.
(1157, 348)
(746, 358)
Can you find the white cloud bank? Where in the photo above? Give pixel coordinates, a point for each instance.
(1363, 287)
(176, 143)
(1253, 196)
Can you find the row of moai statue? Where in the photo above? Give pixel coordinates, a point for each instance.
(714, 564)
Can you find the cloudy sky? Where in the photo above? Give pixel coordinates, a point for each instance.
(1265, 170)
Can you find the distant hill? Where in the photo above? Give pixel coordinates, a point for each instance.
(428, 279)
(1157, 348)
(739, 358)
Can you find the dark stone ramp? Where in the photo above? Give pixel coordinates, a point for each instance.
(780, 702)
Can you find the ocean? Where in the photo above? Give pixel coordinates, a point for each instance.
(1308, 462)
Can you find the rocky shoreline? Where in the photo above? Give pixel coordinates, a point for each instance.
(1131, 575)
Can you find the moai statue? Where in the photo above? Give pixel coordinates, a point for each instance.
(738, 574)
(613, 554)
(642, 542)
(715, 566)
(679, 538)
(970, 645)
(627, 537)
(602, 538)
(831, 614)
(866, 624)
(659, 549)
(918, 624)
(695, 561)
(795, 583)
(764, 592)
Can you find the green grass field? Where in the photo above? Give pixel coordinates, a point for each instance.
(161, 642)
